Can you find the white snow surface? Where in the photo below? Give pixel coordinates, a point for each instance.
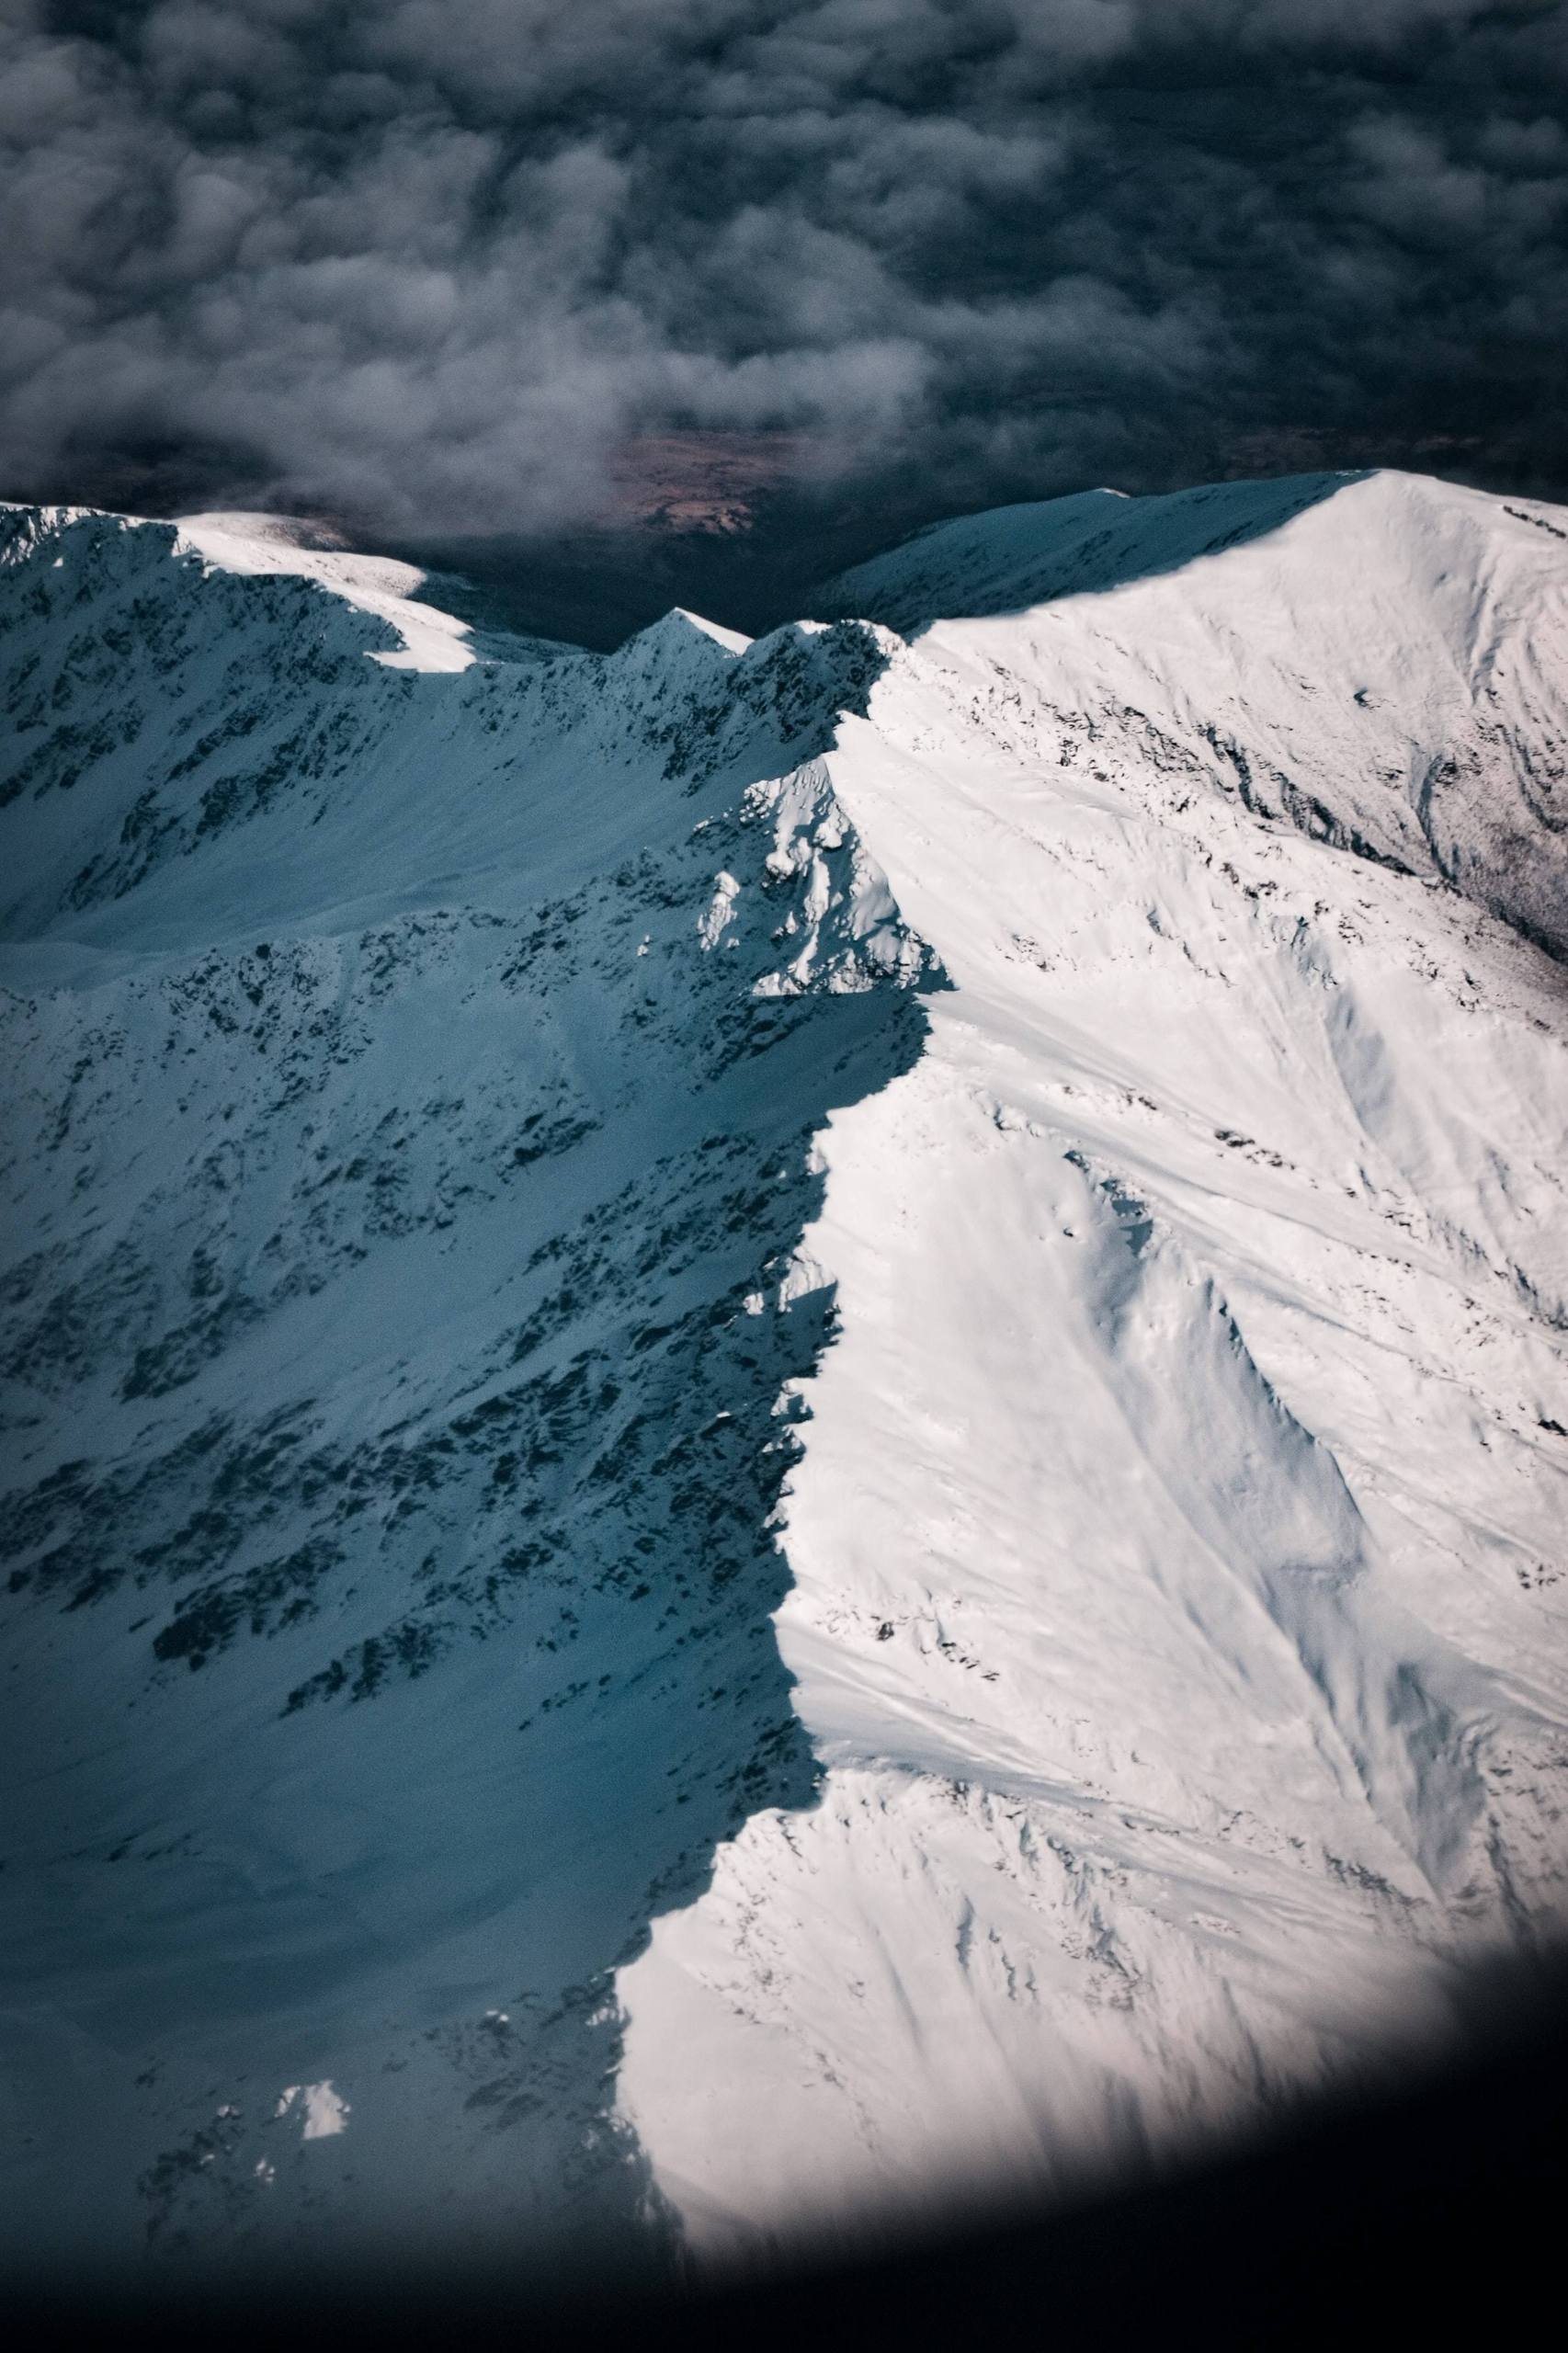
(430, 639)
(323, 2115)
(785, 1423)
(1177, 1552)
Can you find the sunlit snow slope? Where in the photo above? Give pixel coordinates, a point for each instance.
(1178, 1600)
(509, 1735)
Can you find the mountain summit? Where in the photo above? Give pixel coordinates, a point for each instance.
(784, 1421)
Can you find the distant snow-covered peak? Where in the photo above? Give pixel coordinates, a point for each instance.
(432, 639)
(731, 640)
(676, 640)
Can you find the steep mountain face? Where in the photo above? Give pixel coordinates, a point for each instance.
(784, 1422)
(1378, 660)
(415, 1078)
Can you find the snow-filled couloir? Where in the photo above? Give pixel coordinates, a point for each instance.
(785, 1422)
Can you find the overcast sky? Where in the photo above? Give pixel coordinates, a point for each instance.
(454, 265)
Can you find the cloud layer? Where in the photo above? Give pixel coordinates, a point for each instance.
(440, 265)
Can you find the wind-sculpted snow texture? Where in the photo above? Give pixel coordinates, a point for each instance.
(1380, 662)
(511, 1735)
(1178, 1595)
(415, 1079)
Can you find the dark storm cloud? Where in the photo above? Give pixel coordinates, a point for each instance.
(439, 263)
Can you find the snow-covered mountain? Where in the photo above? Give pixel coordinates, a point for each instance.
(785, 1423)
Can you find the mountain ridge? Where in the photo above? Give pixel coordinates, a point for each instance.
(700, 1328)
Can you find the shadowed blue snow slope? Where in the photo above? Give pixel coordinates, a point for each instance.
(415, 1075)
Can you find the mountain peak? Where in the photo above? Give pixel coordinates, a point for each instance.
(816, 1381)
(679, 627)
(283, 544)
